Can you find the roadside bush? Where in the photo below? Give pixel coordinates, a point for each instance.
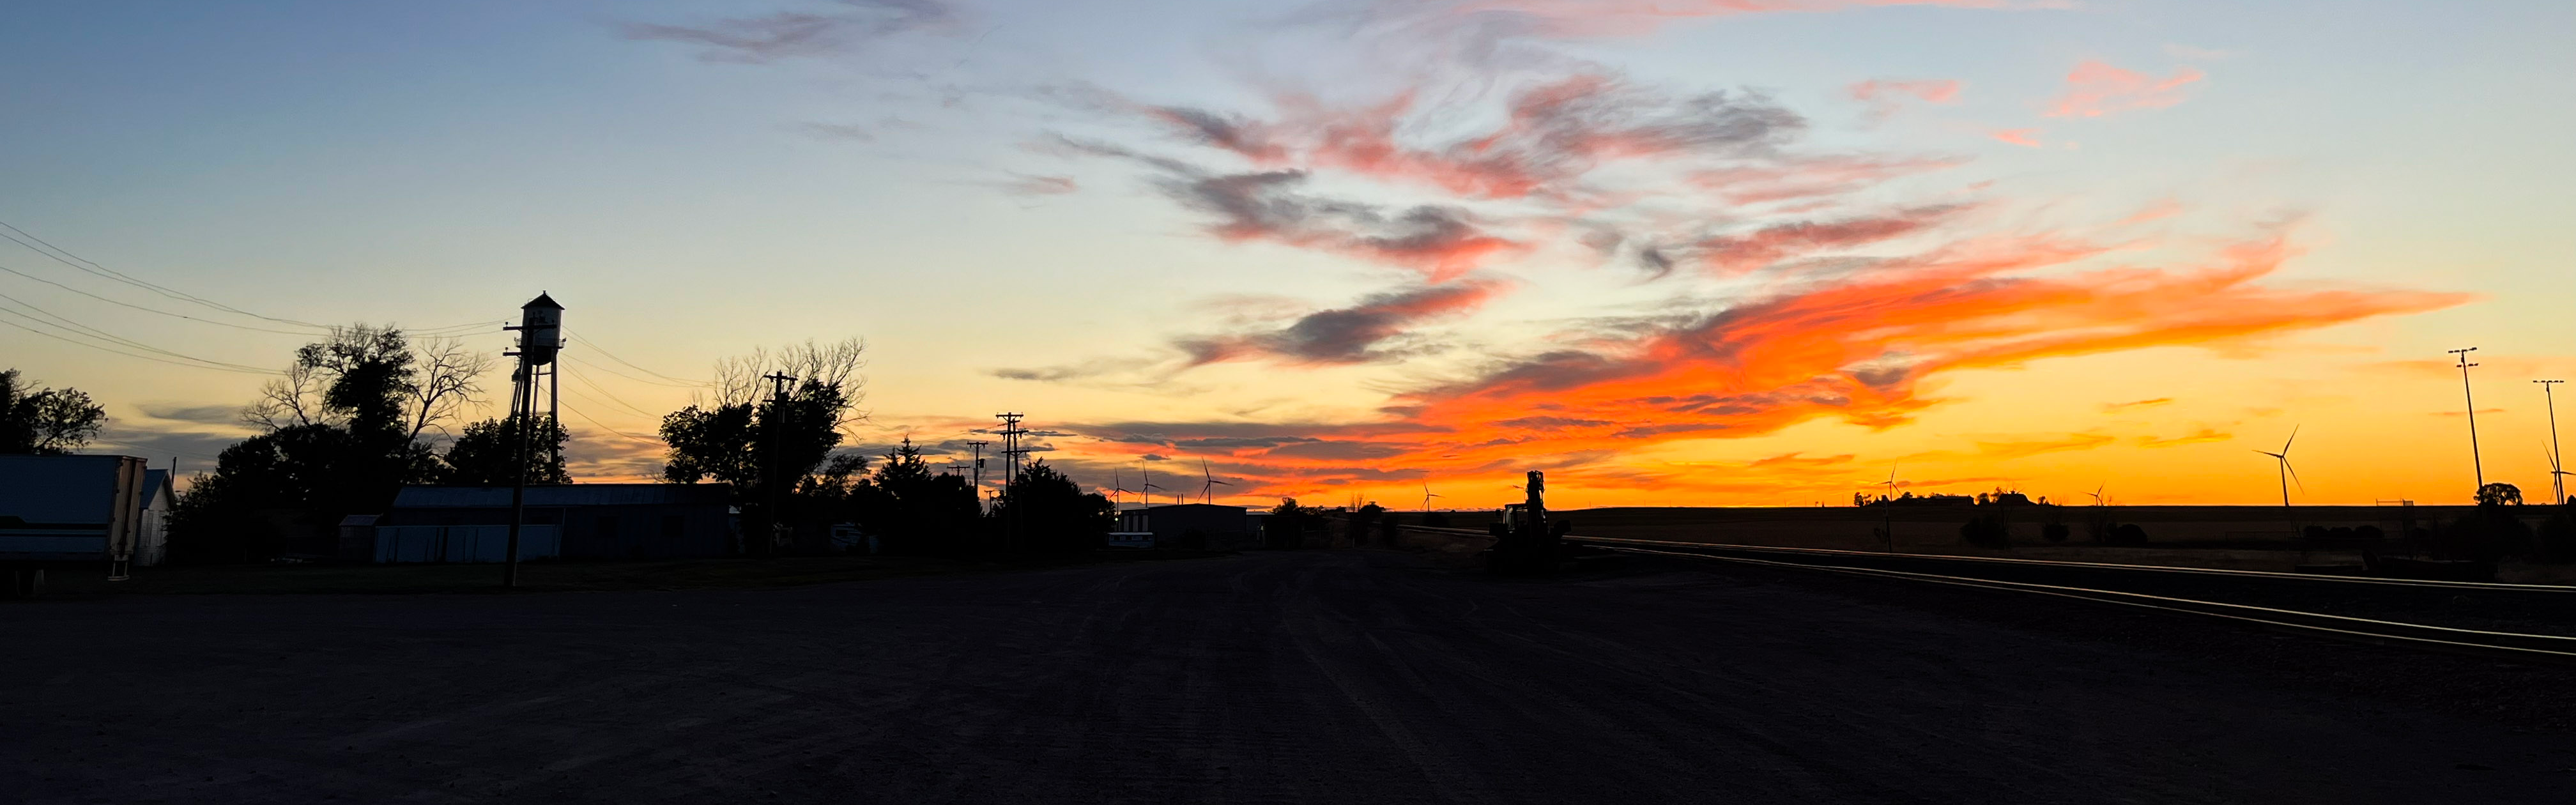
(1987, 531)
(2053, 532)
(2556, 541)
(2128, 534)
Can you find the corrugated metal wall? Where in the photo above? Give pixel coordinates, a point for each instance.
(464, 543)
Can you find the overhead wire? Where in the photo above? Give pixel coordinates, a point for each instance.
(93, 332)
(646, 381)
(59, 254)
(316, 329)
(594, 345)
(118, 351)
(596, 423)
(611, 396)
(156, 311)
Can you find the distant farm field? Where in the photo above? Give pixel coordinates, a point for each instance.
(2231, 537)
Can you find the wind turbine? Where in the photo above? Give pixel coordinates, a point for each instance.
(2558, 476)
(2288, 474)
(1887, 523)
(1209, 490)
(1427, 495)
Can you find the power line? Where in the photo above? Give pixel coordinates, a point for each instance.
(93, 332)
(595, 423)
(155, 311)
(120, 352)
(57, 254)
(634, 378)
(594, 346)
(103, 271)
(611, 397)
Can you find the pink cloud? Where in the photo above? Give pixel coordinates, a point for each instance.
(2095, 89)
(1928, 90)
(2026, 138)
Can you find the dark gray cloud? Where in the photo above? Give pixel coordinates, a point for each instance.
(1440, 240)
(1356, 334)
(789, 34)
(200, 414)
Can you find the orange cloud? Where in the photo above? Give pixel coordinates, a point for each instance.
(2095, 89)
(2026, 448)
(2110, 407)
(1853, 350)
(2203, 435)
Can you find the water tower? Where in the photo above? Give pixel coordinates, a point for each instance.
(540, 329)
(540, 337)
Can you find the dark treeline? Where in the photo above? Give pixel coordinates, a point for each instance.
(368, 410)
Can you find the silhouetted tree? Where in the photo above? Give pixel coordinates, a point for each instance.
(913, 509)
(1052, 514)
(1362, 521)
(339, 441)
(1289, 524)
(748, 432)
(1986, 531)
(45, 422)
(2499, 494)
(484, 454)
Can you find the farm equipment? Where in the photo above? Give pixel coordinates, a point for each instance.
(1526, 543)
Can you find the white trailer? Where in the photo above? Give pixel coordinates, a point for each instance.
(67, 513)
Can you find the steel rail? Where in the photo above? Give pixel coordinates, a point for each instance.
(2200, 571)
(1999, 560)
(2554, 646)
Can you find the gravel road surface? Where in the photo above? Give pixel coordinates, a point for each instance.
(1343, 676)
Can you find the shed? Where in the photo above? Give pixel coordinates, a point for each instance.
(574, 521)
(152, 528)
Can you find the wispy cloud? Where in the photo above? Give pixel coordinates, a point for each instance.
(1361, 333)
(2026, 138)
(2196, 437)
(2094, 89)
(790, 34)
(2123, 406)
(1884, 96)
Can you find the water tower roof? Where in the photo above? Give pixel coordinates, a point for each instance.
(542, 300)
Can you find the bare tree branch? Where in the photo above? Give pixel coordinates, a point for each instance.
(295, 399)
(450, 378)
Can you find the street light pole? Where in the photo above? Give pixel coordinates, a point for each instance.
(2557, 479)
(2475, 461)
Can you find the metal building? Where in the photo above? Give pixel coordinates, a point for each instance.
(576, 521)
(1194, 525)
(68, 512)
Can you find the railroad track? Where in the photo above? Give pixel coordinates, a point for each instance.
(2520, 621)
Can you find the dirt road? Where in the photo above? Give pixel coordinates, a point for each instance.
(1349, 676)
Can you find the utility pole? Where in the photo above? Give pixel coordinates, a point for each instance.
(778, 381)
(979, 465)
(2557, 476)
(2475, 461)
(1011, 453)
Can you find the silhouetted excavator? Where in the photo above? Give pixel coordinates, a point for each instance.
(1525, 542)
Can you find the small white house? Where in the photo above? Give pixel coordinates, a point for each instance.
(152, 528)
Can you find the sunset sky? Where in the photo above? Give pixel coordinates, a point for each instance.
(1673, 252)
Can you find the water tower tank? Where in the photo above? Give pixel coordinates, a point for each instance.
(540, 329)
